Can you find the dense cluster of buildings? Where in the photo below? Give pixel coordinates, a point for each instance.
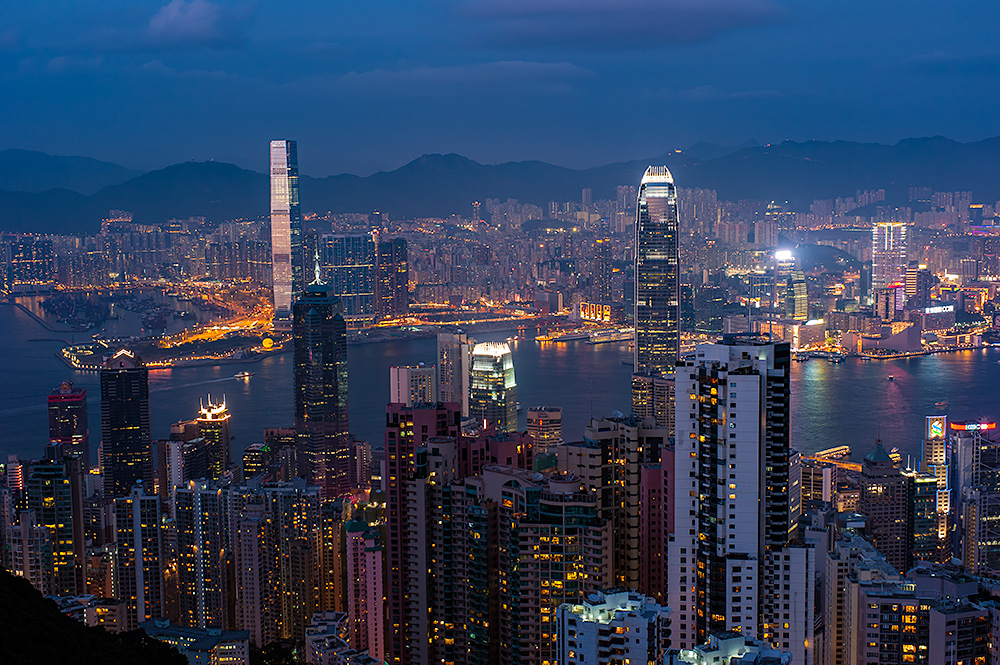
(686, 532)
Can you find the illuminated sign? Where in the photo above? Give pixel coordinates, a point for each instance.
(973, 427)
(936, 425)
(941, 309)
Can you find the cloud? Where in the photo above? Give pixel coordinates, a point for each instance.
(614, 24)
(198, 22)
(550, 76)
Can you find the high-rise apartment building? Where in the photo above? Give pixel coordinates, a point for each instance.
(613, 627)
(732, 563)
(454, 368)
(28, 549)
(889, 246)
(349, 267)
(657, 274)
(54, 493)
(493, 389)
(545, 427)
(68, 423)
(393, 283)
(125, 432)
(653, 397)
(320, 360)
(213, 427)
(407, 430)
(287, 259)
(603, 270)
(413, 384)
(201, 518)
(365, 593)
(139, 563)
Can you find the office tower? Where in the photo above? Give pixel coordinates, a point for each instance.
(349, 267)
(125, 433)
(213, 427)
(657, 274)
(257, 459)
(970, 271)
(592, 632)
(545, 428)
(918, 284)
(54, 493)
(454, 367)
(976, 474)
(68, 420)
(796, 296)
(139, 568)
(889, 245)
(407, 429)
(653, 397)
(493, 390)
(320, 359)
(365, 595)
(393, 286)
(922, 516)
(609, 462)
(603, 269)
(934, 460)
(732, 565)
(201, 518)
(885, 503)
(287, 260)
(413, 384)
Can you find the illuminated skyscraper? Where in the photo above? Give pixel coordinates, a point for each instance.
(393, 277)
(349, 268)
(68, 421)
(287, 261)
(139, 556)
(657, 278)
(201, 514)
(493, 396)
(413, 384)
(319, 335)
(545, 427)
(888, 254)
(125, 432)
(796, 296)
(213, 426)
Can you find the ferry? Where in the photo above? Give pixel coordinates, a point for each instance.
(802, 356)
(605, 336)
(941, 405)
(890, 378)
(836, 358)
(242, 375)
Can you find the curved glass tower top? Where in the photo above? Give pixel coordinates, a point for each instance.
(657, 274)
(286, 227)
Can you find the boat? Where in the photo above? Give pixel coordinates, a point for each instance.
(941, 405)
(890, 378)
(801, 356)
(242, 375)
(836, 358)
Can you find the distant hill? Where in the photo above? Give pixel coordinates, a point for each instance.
(439, 185)
(705, 151)
(31, 171)
(34, 632)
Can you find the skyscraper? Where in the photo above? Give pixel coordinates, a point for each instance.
(68, 420)
(201, 515)
(796, 296)
(732, 562)
(657, 274)
(320, 359)
(125, 432)
(935, 457)
(603, 269)
(545, 427)
(287, 260)
(413, 384)
(493, 393)
(454, 368)
(213, 426)
(54, 493)
(884, 501)
(139, 555)
(888, 254)
(393, 278)
(349, 266)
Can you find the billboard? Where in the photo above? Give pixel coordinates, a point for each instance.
(936, 427)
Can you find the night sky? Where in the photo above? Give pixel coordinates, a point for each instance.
(366, 85)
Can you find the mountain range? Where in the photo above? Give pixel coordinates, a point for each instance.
(58, 195)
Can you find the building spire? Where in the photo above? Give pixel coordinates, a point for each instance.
(317, 280)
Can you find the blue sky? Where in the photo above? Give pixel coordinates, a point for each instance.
(370, 84)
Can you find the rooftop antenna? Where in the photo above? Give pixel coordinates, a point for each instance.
(316, 259)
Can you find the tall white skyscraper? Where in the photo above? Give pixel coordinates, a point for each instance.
(732, 562)
(888, 254)
(286, 228)
(413, 384)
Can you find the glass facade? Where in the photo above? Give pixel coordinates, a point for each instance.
(888, 254)
(657, 274)
(286, 228)
(493, 398)
(349, 267)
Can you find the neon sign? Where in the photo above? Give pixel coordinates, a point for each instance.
(973, 427)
